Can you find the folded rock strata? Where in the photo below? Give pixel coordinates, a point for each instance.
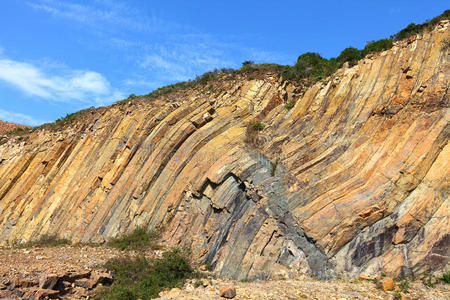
(353, 179)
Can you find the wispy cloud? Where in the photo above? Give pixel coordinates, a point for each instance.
(160, 50)
(20, 118)
(104, 13)
(192, 55)
(86, 87)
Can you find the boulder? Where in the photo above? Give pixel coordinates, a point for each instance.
(48, 281)
(227, 291)
(388, 284)
(86, 283)
(102, 277)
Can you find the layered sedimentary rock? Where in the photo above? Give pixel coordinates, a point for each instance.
(354, 178)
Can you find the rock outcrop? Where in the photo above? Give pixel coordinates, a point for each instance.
(353, 179)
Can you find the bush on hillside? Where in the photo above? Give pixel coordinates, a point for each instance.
(377, 46)
(350, 55)
(142, 278)
(137, 239)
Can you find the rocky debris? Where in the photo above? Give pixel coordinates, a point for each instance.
(303, 288)
(46, 294)
(227, 291)
(57, 272)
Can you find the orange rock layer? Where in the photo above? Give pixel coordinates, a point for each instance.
(353, 179)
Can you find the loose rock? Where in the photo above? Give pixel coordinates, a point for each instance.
(228, 292)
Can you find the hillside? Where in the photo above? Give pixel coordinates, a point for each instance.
(6, 127)
(260, 177)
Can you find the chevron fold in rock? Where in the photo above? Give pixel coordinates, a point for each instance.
(354, 178)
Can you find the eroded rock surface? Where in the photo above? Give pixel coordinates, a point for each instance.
(354, 178)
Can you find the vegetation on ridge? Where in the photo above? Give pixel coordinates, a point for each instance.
(309, 68)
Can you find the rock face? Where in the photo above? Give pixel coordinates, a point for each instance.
(354, 178)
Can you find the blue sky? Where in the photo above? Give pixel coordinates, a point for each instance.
(57, 57)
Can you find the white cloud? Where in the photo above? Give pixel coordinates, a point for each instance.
(86, 87)
(102, 14)
(20, 118)
(165, 51)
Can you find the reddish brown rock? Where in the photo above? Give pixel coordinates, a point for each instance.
(48, 281)
(6, 127)
(71, 276)
(24, 283)
(46, 294)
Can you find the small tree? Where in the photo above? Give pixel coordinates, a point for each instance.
(247, 63)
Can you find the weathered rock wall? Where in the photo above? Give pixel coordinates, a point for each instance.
(355, 178)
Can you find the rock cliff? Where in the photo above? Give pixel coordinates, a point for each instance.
(353, 179)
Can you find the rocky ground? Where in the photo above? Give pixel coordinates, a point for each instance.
(66, 272)
(305, 288)
(75, 272)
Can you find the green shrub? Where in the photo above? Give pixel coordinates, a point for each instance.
(413, 29)
(289, 106)
(73, 116)
(377, 46)
(18, 131)
(205, 78)
(137, 239)
(141, 278)
(428, 280)
(313, 66)
(404, 286)
(258, 126)
(446, 277)
(247, 63)
(410, 30)
(350, 55)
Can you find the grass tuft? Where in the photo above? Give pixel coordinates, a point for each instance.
(137, 239)
(44, 241)
(446, 277)
(289, 106)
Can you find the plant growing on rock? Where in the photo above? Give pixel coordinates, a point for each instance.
(253, 135)
(446, 277)
(289, 106)
(137, 239)
(44, 241)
